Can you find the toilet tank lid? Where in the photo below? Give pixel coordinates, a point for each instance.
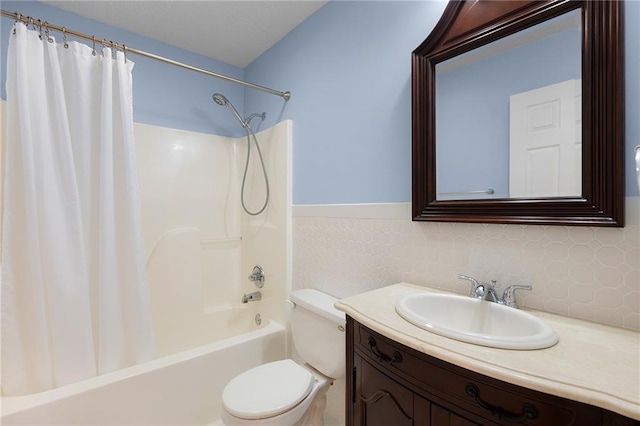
(319, 303)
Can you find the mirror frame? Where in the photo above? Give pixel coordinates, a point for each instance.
(466, 25)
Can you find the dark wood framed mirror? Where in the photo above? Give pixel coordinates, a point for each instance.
(466, 28)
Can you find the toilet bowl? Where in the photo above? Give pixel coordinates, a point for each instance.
(285, 393)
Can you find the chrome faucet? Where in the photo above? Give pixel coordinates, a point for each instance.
(489, 293)
(252, 297)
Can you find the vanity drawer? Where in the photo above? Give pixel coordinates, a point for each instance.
(385, 352)
(461, 390)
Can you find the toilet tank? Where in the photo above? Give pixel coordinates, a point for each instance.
(318, 331)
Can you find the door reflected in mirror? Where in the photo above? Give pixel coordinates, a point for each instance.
(509, 116)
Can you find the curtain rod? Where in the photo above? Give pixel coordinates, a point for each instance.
(43, 25)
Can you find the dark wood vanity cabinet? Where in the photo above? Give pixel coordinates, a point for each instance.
(392, 385)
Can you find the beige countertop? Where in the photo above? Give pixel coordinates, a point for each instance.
(592, 363)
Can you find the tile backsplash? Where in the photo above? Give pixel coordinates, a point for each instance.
(581, 272)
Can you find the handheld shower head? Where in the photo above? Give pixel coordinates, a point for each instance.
(220, 99)
(223, 101)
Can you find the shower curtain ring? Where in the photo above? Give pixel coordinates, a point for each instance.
(46, 32)
(93, 47)
(124, 50)
(33, 24)
(64, 37)
(18, 19)
(40, 28)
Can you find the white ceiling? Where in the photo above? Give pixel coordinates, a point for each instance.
(231, 31)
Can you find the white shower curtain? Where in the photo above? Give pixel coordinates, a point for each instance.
(75, 302)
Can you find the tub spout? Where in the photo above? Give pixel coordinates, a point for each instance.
(252, 297)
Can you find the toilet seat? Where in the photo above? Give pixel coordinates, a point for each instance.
(267, 390)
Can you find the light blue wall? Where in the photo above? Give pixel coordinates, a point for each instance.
(164, 95)
(348, 67)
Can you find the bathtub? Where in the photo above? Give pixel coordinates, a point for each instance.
(181, 389)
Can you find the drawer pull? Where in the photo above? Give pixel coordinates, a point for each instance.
(529, 411)
(396, 358)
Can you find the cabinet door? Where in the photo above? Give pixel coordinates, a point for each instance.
(380, 401)
(443, 417)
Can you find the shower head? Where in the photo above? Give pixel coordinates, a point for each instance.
(223, 101)
(220, 99)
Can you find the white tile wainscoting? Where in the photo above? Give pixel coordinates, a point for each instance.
(582, 272)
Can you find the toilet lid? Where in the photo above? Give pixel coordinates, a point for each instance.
(267, 390)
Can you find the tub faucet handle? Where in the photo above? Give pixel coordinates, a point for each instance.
(257, 276)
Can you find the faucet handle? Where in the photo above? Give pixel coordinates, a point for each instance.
(257, 276)
(477, 289)
(509, 295)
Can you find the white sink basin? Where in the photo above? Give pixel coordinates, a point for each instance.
(476, 321)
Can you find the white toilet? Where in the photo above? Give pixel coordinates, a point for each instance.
(285, 393)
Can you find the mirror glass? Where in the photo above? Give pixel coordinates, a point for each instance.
(508, 116)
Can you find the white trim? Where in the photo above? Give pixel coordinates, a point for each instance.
(401, 211)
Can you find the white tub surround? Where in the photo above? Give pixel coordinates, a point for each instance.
(592, 363)
(199, 244)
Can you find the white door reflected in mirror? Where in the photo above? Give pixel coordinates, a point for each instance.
(545, 141)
